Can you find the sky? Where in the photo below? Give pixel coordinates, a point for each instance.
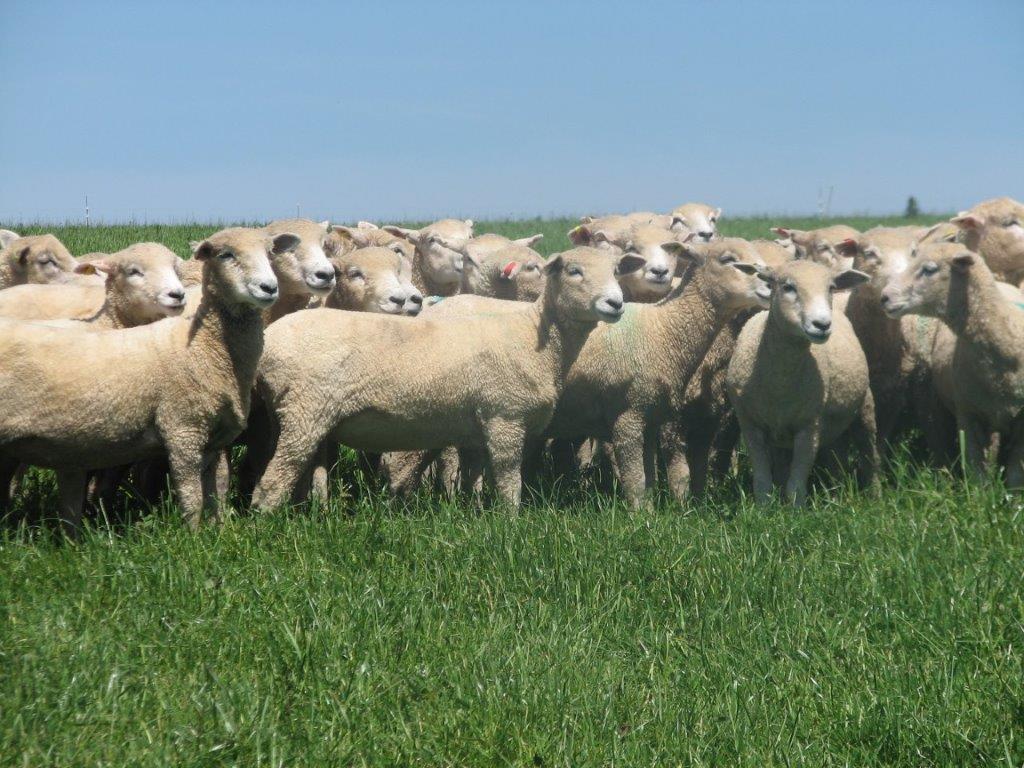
(222, 111)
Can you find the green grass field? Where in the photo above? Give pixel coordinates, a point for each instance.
(858, 631)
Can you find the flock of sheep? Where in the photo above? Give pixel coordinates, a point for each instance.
(652, 345)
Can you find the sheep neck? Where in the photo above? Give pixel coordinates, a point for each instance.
(286, 304)
(879, 334)
(559, 337)
(689, 319)
(977, 313)
(224, 346)
(426, 284)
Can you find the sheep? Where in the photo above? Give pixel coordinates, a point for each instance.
(179, 387)
(440, 254)
(798, 380)
(375, 279)
(706, 422)
(819, 245)
(985, 360)
(656, 245)
(347, 239)
(302, 272)
(7, 237)
(995, 229)
(698, 218)
(897, 366)
(631, 378)
(381, 383)
(513, 272)
(39, 259)
(142, 285)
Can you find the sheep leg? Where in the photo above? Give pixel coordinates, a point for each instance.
(471, 471)
(189, 471)
(505, 440)
(8, 487)
(805, 450)
(630, 447)
(1015, 457)
(320, 489)
(296, 447)
(976, 439)
(677, 468)
(760, 459)
(223, 473)
(71, 485)
(865, 441)
(405, 470)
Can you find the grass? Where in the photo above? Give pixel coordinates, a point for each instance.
(860, 631)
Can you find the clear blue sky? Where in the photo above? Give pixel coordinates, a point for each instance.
(223, 111)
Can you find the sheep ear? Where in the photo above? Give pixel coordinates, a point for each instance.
(747, 269)
(7, 237)
(510, 270)
(963, 261)
(926, 233)
(201, 251)
(581, 235)
(94, 266)
(326, 226)
(412, 235)
(967, 220)
(631, 262)
(686, 254)
(469, 223)
(678, 224)
(365, 225)
(849, 278)
(847, 247)
(530, 241)
(554, 264)
(718, 213)
(767, 275)
(284, 242)
(23, 255)
(586, 219)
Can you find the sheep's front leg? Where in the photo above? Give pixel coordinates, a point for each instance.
(756, 441)
(296, 447)
(976, 440)
(805, 450)
(505, 439)
(628, 442)
(866, 444)
(677, 468)
(71, 485)
(187, 460)
(322, 464)
(1015, 457)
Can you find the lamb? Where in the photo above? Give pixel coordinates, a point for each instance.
(38, 259)
(440, 255)
(819, 245)
(799, 381)
(986, 371)
(302, 272)
(698, 218)
(142, 285)
(631, 378)
(381, 383)
(655, 245)
(374, 280)
(995, 229)
(366, 235)
(179, 387)
(512, 272)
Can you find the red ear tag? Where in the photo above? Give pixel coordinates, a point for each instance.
(507, 271)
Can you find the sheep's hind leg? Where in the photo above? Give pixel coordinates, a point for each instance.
(296, 447)
(505, 440)
(71, 484)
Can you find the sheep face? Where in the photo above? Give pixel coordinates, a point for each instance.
(440, 248)
(731, 268)
(819, 245)
(943, 232)
(513, 272)
(582, 284)
(39, 259)
(801, 303)
(698, 218)
(881, 253)
(924, 287)
(238, 264)
(376, 280)
(145, 279)
(995, 229)
(656, 248)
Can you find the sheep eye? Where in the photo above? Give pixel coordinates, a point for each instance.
(355, 274)
(225, 255)
(728, 258)
(789, 288)
(1012, 223)
(930, 268)
(574, 271)
(134, 272)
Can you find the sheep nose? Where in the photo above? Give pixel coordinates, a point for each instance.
(822, 325)
(324, 274)
(176, 294)
(416, 298)
(706, 235)
(268, 287)
(659, 271)
(615, 304)
(397, 299)
(885, 299)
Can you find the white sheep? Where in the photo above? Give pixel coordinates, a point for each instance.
(652, 280)
(699, 218)
(382, 383)
(38, 259)
(799, 381)
(440, 254)
(985, 356)
(375, 279)
(179, 387)
(995, 229)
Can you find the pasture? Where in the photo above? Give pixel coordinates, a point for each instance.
(856, 631)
